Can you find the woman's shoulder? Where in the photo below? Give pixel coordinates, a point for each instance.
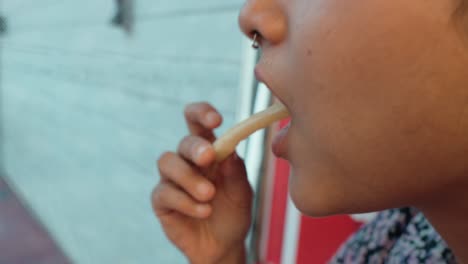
(401, 235)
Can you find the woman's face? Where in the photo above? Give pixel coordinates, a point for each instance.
(378, 95)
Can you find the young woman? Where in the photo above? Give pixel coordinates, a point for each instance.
(378, 96)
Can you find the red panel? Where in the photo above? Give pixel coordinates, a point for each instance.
(278, 210)
(320, 238)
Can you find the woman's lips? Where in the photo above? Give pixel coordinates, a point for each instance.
(279, 145)
(280, 142)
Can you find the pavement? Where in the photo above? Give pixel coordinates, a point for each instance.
(87, 109)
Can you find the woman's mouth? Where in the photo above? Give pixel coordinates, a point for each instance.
(279, 145)
(280, 141)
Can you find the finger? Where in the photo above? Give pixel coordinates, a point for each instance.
(175, 169)
(167, 198)
(201, 119)
(197, 150)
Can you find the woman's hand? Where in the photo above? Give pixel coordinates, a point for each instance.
(204, 208)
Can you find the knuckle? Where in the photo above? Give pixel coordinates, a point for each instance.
(197, 107)
(164, 159)
(193, 107)
(186, 140)
(205, 105)
(208, 108)
(172, 169)
(164, 195)
(191, 143)
(156, 196)
(186, 143)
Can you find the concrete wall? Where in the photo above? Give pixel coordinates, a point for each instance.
(87, 110)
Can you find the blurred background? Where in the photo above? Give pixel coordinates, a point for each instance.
(92, 92)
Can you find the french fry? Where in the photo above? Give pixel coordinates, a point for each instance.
(226, 144)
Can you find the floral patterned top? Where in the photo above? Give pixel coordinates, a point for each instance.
(396, 236)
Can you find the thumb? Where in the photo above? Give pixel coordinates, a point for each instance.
(234, 178)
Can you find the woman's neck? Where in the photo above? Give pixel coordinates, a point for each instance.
(450, 218)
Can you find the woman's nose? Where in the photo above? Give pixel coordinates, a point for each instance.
(266, 18)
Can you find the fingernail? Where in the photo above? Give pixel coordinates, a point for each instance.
(199, 151)
(203, 209)
(203, 188)
(211, 118)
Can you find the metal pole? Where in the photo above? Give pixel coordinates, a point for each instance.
(2, 32)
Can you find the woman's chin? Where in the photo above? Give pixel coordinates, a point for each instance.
(322, 202)
(318, 198)
(314, 204)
